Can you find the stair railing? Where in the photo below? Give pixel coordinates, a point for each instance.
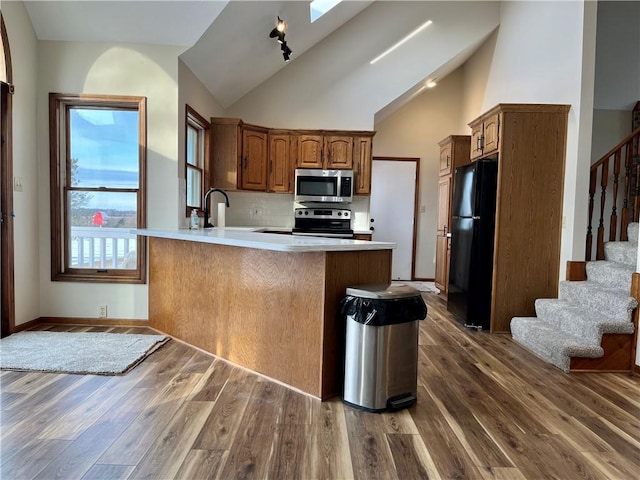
(625, 158)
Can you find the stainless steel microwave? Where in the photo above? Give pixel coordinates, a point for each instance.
(316, 185)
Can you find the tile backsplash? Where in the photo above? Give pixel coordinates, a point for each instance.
(276, 210)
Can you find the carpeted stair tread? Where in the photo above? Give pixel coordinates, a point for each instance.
(610, 273)
(579, 321)
(609, 301)
(621, 252)
(550, 343)
(632, 232)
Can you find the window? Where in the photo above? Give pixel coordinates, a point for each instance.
(98, 165)
(197, 146)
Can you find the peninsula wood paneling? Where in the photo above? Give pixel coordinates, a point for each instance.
(271, 312)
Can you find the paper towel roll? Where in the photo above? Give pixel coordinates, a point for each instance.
(221, 209)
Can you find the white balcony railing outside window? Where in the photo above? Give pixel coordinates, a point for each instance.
(102, 247)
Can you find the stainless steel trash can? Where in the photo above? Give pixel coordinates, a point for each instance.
(381, 352)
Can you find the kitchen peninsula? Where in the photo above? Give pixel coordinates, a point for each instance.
(264, 301)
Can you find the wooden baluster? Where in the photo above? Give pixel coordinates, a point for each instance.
(625, 214)
(604, 179)
(592, 192)
(613, 220)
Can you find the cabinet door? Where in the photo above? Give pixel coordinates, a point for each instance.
(490, 134)
(225, 152)
(310, 151)
(254, 160)
(444, 200)
(338, 152)
(445, 159)
(476, 141)
(279, 163)
(362, 165)
(442, 265)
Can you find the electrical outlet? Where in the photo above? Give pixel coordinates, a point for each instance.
(102, 311)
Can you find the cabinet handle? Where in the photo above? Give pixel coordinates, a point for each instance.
(480, 141)
(245, 161)
(448, 160)
(270, 166)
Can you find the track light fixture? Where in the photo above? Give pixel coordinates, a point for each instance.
(279, 33)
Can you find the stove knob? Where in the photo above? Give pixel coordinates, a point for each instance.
(299, 212)
(306, 212)
(339, 214)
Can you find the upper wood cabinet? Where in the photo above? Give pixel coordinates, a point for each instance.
(310, 151)
(251, 157)
(280, 173)
(254, 159)
(338, 152)
(362, 164)
(485, 135)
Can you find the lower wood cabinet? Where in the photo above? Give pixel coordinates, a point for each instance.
(363, 236)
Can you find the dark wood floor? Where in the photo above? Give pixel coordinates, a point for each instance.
(486, 409)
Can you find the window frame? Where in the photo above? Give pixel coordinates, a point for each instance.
(195, 120)
(59, 137)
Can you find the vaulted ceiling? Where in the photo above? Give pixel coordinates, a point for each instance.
(228, 46)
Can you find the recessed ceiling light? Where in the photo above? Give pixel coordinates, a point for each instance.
(412, 34)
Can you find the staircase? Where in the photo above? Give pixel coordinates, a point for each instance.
(589, 326)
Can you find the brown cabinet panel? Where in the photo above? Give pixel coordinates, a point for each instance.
(226, 141)
(442, 264)
(279, 163)
(445, 159)
(444, 207)
(338, 152)
(254, 160)
(476, 141)
(362, 165)
(363, 236)
(310, 151)
(491, 134)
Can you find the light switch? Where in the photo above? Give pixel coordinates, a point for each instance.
(423, 209)
(17, 184)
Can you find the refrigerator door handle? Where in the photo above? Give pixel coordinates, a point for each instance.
(476, 218)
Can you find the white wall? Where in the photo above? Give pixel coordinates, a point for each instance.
(609, 128)
(334, 86)
(414, 131)
(23, 45)
(144, 70)
(191, 91)
(544, 52)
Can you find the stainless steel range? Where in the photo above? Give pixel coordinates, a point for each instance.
(323, 222)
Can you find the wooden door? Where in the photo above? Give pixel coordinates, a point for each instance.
(338, 152)
(254, 160)
(490, 135)
(310, 151)
(279, 163)
(445, 159)
(362, 165)
(444, 200)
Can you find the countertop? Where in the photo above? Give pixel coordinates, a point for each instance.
(260, 238)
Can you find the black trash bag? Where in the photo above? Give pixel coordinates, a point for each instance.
(381, 312)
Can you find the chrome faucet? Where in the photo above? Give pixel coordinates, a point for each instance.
(206, 204)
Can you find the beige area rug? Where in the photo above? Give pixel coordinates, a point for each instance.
(96, 353)
(421, 286)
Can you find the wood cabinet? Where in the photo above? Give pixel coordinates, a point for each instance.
(338, 152)
(363, 236)
(531, 143)
(251, 157)
(362, 159)
(280, 173)
(485, 135)
(454, 151)
(254, 159)
(226, 152)
(310, 151)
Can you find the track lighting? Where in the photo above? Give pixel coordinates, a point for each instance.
(279, 33)
(286, 51)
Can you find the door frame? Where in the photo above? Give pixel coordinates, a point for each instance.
(416, 204)
(7, 289)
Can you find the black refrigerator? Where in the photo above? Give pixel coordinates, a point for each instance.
(473, 211)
